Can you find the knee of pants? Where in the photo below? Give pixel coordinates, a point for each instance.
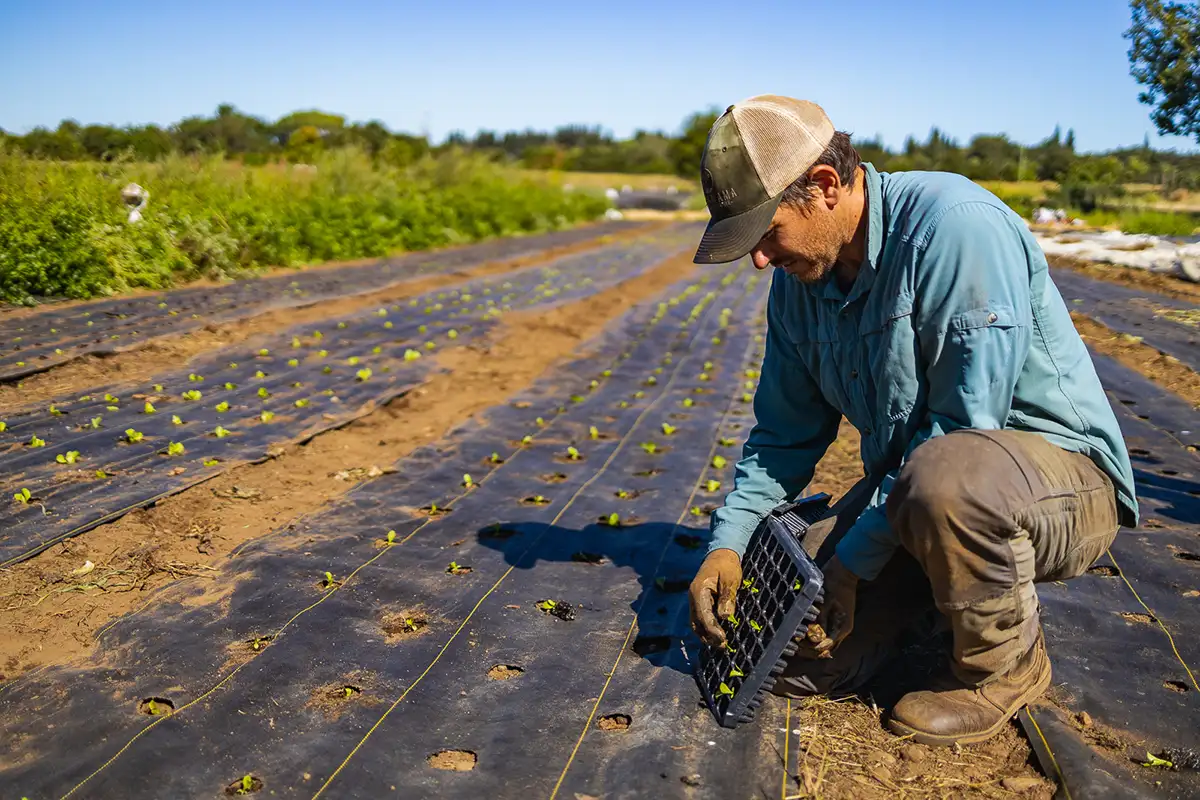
(942, 493)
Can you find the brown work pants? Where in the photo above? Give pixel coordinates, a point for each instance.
(982, 517)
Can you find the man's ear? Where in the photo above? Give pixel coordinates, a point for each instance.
(828, 184)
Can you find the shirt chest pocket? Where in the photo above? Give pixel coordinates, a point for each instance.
(892, 355)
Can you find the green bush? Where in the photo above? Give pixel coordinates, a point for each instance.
(1157, 222)
(63, 229)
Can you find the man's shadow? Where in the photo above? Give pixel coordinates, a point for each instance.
(664, 557)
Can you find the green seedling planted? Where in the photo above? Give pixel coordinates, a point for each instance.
(263, 393)
(132, 436)
(23, 496)
(300, 403)
(593, 432)
(650, 447)
(220, 432)
(391, 537)
(573, 454)
(101, 474)
(711, 485)
(454, 568)
(230, 386)
(363, 375)
(260, 374)
(411, 355)
(175, 420)
(747, 397)
(3, 426)
(94, 423)
(526, 439)
(148, 408)
(451, 334)
(668, 428)
(719, 462)
(296, 341)
(175, 449)
(726, 442)
(467, 482)
(539, 422)
(194, 378)
(211, 462)
(688, 402)
(69, 457)
(329, 582)
(264, 352)
(192, 395)
(614, 520)
(34, 441)
(293, 362)
(55, 411)
(322, 353)
(106, 408)
(267, 416)
(221, 407)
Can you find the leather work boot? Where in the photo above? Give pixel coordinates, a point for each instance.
(960, 714)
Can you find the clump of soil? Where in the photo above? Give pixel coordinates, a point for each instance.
(453, 760)
(156, 706)
(246, 785)
(1105, 571)
(401, 625)
(333, 699)
(1143, 619)
(558, 608)
(553, 477)
(504, 672)
(498, 531)
(615, 722)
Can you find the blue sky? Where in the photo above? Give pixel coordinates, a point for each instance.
(886, 67)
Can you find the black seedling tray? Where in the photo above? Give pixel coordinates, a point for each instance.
(780, 588)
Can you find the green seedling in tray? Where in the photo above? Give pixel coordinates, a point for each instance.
(734, 672)
(755, 625)
(725, 690)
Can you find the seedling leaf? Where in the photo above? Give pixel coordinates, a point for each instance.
(132, 436)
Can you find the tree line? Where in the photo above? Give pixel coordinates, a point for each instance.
(301, 135)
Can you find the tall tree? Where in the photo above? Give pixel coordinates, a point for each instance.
(1164, 57)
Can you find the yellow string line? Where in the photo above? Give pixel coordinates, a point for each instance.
(1062, 782)
(638, 611)
(787, 735)
(1157, 619)
(608, 462)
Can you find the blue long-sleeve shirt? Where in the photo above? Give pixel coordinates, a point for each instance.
(952, 322)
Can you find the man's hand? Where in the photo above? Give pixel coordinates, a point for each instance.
(835, 618)
(716, 584)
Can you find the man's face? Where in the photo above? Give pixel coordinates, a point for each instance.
(805, 243)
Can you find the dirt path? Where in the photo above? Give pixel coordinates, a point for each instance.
(171, 353)
(1163, 369)
(49, 615)
(1129, 276)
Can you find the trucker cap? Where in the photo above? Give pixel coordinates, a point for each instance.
(755, 150)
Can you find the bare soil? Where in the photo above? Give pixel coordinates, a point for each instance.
(49, 616)
(1167, 371)
(453, 760)
(1130, 276)
(171, 353)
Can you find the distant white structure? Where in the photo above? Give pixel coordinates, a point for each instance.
(136, 198)
(612, 213)
(1140, 251)
(611, 194)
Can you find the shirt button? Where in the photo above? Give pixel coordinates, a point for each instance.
(992, 318)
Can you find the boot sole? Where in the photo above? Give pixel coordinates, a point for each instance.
(935, 740)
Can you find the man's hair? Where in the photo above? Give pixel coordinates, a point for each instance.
(839, 154)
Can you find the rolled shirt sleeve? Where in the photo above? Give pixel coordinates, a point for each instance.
(974, 326)
(794, 426)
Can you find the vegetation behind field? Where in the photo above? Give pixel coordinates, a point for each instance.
(64, 230)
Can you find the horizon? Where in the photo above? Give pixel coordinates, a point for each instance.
(1018, 71)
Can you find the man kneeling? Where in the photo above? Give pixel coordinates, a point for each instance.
(920, 308)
